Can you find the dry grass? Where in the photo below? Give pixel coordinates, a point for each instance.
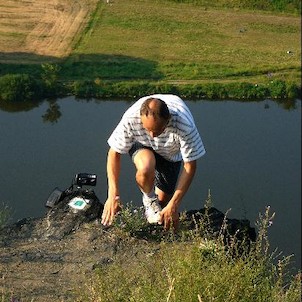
(45, 28)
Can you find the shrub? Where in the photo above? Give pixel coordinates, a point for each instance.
(132, 89)
(19, 88)
(247, 91)
(215, 91)
(277, 89)
(84, 89)
(50, 80)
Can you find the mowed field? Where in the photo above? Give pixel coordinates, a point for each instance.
(42, 27)
(180, 41)
(193, 42)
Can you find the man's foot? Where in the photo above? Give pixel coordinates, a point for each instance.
(152, 209)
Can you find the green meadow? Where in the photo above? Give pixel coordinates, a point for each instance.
(176, 42)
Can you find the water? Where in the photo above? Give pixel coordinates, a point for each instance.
(253, 159)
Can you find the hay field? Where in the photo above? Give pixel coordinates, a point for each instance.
(41, 27)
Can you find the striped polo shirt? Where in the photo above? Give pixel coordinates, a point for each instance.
(179, 141)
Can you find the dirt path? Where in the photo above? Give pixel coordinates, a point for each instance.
(42, 27)
(37, 268)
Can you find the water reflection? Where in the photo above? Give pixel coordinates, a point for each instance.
(18, 106)
(53, 113)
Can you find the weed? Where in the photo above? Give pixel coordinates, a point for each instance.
(5, 213)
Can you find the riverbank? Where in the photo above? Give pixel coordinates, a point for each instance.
(68, 257)
(24, 89)
(56, 257)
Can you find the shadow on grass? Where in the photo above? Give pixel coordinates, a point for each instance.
(110, 67)
(74, 67)
(81, 66)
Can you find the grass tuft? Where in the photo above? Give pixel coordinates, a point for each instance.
(5, 213)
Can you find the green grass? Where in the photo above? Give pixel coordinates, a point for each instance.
(174, 41)
(192, 267)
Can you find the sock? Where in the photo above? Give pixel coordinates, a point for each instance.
(150, 194)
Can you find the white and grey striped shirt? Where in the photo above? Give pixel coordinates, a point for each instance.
(179, 141)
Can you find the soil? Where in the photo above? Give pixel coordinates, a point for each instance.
(36, 267)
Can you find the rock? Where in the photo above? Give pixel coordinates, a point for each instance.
(215, 223)
(61, 220)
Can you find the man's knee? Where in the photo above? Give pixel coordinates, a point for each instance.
(144, 161)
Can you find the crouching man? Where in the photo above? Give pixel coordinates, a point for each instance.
(159, 134)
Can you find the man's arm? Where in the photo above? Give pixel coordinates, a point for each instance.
(170, 212)
(112, 205)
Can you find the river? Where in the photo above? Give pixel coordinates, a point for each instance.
(253, 159)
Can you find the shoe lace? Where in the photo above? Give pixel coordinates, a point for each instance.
(154, 205)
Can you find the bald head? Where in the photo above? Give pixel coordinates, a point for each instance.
(155, 116)
(156, 108)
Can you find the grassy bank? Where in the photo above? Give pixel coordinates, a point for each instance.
(191, 267)
(175, 43)
(133, 261)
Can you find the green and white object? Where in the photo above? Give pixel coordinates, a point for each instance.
(78, 204)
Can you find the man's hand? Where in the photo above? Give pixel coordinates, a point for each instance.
(111, 207)
(112, 204)
(169, 214)
(169, 217)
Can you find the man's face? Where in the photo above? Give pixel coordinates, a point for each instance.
(154, 127)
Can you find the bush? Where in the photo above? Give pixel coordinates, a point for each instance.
(277, 89)
(19, 88)
(247, 91)
(84, 89)
(50, 80)
(132, 89)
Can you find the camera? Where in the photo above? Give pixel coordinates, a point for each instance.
(83, 196)
(85, 179)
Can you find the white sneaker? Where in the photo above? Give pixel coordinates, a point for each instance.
(152, 209)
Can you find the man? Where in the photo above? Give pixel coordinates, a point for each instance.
(159, 133)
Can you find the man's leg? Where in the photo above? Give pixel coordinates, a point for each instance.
(163, 197)
(144, 161)
(156, 178)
